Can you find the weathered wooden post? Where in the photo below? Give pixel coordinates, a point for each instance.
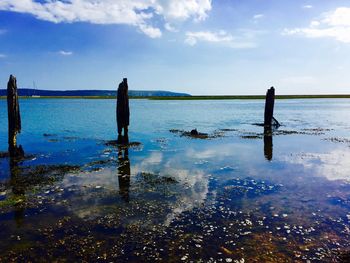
(269, 105)
(123, 112)
(14, 118)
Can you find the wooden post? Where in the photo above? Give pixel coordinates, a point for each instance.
(269, 105)
(14, 118)
(123, 112)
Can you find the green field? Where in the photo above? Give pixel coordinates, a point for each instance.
(216, 97)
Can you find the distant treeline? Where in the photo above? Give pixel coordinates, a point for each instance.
(253, 97)
(92, 93)
(167, 95)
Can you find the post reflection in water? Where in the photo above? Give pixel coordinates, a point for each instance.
(124, 172)
(268, 146)
(18, 191)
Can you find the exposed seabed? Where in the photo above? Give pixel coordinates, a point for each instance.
(171, 205)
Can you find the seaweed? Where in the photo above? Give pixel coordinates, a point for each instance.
(194, 134)
(153, 179)
(338, 140)
(116, 143)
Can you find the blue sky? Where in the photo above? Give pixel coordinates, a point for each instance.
(193, 46)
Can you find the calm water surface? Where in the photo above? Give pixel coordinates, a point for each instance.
(238, 196)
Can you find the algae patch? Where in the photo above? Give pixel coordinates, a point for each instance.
(115, 143)
(194, 134)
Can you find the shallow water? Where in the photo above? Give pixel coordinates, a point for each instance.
(237, 195)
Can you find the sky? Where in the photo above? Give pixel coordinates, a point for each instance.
(201, 47)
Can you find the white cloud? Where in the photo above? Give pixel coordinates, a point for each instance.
(315, 23)
(2, 31)
(193, 37)
(170, 28)
(65, 53)
(150, 31)
(339, 17)
(258, 16)
(222, 37)
(335, 24)
(307, 6)
(138, 13)
(185, 9)
(2, 55)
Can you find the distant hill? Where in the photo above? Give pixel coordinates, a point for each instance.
(132, 93)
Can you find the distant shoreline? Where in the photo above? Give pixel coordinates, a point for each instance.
(209, 97)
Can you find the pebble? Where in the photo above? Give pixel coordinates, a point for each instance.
(248, 222)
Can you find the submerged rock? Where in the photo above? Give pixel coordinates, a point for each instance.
(197, 135)
(257, 136)
(49, 135)
(194, 132)
(4, 155)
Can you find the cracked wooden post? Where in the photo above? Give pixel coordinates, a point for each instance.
(123, 113)
(269, 105)
(14, 118)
